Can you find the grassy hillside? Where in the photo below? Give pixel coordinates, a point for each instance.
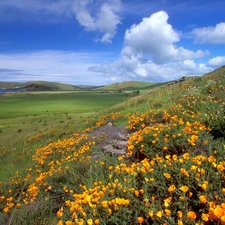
(172, 172)
(54, 86)
(128, 85)
(10, 85)
(40, 86)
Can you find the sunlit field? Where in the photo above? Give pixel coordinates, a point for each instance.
(23, 114)
(178, 130)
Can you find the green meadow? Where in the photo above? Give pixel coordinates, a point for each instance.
(24, 114)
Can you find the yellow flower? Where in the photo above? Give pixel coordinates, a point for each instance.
(167, 201)
(89, 222)
(172, 188)
(159, 214)
(167, 212)
(167, 175)
(60, 212)
(180, 214)
(6, 210)
(222, 220)
(110, 211)
(223, 190)
(175, 157)
(9, 199)
(184, 172)
(220, 168)
(219, 212)
(165, 140)
(136, 192)
(111, 168)
(204, 185)
(18, 205)
(104, 204)
(205, 217)
(203, 198)
(69, 223)
(60, 222)
(191, 215)
(150, 213)
(140, 219)
(97, 222)
(184, 188)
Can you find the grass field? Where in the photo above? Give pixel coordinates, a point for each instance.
(23, 114)
(31, 104)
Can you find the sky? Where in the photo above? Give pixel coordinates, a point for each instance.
(98, 42)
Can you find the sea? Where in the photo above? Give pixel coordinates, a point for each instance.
(3, 91)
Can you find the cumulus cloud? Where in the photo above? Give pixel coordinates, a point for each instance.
(62, 66)
(103, 18)
(210, 35)
(150, 53)
(155, 37)
(152, 36)
(217, 61)
(137, 68)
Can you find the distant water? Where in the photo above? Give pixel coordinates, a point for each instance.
(2, 91)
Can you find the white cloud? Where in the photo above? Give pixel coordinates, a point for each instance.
(152, 36)
(136, 68)
(150, 53)
(155, 37)
(217, 61)
(61, 66)
(103, 18)
(210, 35)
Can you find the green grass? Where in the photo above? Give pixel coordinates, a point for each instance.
(24, 114)
(31, 104)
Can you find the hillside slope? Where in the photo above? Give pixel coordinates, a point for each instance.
(172, 170)
(40, 86)
(128, 85)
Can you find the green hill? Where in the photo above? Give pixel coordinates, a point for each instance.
(128, 85)
(10, 85)
(40, 86)
(53, 86)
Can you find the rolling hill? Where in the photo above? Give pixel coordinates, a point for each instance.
(55, 86)
(127, 85)
(40, 86)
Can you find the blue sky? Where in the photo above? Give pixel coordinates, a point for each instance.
(99, 42)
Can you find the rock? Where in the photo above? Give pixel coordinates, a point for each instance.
(117, 151)
(123, 137)
(107, 148)
(110, 149)
(121, 144)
